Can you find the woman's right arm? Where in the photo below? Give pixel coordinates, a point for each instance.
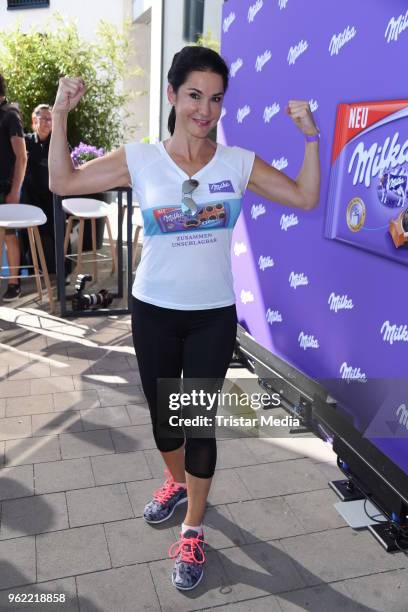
(97, 175)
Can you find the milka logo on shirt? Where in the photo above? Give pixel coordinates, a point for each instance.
(257, 210)
(396, 26)
(221, 186)
(377, 158)
(239, 248)
(339, 40)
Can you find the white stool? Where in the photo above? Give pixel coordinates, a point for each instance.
(25, 216)
(82, 209)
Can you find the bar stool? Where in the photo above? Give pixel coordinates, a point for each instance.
(25, 216)
(81, 209)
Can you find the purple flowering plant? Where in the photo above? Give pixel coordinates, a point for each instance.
(85, 152)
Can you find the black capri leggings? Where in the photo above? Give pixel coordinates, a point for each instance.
(198, 343)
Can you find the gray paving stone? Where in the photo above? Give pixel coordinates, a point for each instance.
(12, 428)
(56, 588)
(29, 371)
(63, 475)
(155, 462)
(212, 591)
(32, 515)
(54, 384)
(387, 591)
(135, 541)
(320, 599)
(3, 409)
(259, 569)
(120, 467)
(76, 400)
(72, 368)
(55, 423)
(14, 388)
(71, 552)
(4, 370)
(17, 562)
(269, 450)
(38, 404)
(86, 444)
(104, 418)
(118, 396)
(139, 414)
(337, 554)
(330, 471)
(2, 450)
(16, 482)
(282, 477)
(125, 589)
(315, 510)
(133, 438)
(268, 603)
(265, 519)
(232, 453)
(98, 382)
(32, 450)
(141, 492)
(219, 528)
(98, 505)
(227, 487)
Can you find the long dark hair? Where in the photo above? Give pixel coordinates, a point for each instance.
(187, 60)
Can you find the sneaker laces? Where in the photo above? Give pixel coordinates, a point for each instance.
(187, 548)
(167, 490)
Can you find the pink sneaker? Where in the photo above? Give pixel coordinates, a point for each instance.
(165, 500)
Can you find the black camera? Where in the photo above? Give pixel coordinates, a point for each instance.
(84, 301)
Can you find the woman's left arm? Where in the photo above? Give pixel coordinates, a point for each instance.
(273, 184)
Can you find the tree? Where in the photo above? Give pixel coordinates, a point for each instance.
(32, 63)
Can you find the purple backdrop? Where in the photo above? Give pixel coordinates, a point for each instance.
(331, 310)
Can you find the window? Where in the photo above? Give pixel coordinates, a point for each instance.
(26, 4)
(193, 19)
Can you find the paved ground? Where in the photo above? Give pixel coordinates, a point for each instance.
(78, 464)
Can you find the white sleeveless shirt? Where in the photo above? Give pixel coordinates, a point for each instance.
(186, 262)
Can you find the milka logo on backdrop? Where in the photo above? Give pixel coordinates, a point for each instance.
(306, 341)
(235, 66)
(395, 27)
(340, 302)
(394, 333)
(273, 316)
(349, 373)
(294, 52)
(280, 164)
(270, 111)
(247, 296)
(254, 9)
(228, 21)
(402, 415)
(313, 105)
(261, 60)
(287, 221)
(265, 262)
(257, 210)
(282, 4)
(295, 280)
(339, 40)
(377, 158)
(223, 112)
(239, 248)
(242, 113)
(221, 186)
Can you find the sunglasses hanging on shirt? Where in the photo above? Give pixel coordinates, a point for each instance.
(189, 206)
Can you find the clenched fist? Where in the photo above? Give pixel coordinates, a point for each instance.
(299, 111)
(70, 91)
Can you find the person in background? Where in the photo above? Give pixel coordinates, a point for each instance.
(13, 158)
(35, 187)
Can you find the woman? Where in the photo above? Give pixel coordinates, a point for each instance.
(184, 317)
